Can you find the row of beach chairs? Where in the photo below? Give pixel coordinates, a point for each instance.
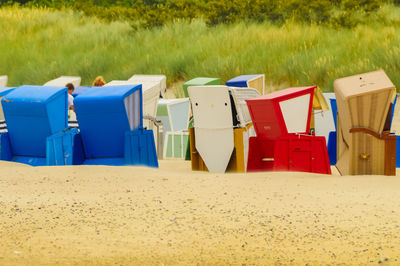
(236, 126)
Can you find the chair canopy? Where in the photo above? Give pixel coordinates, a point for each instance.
(282, 112)
(104, 115)
(363, 101)
(32, 114)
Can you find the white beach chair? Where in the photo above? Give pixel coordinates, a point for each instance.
(63, 80)
(3, 81)
(174, 114)
(213, 125)
(160, 79)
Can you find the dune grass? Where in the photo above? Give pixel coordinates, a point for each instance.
(37, 45)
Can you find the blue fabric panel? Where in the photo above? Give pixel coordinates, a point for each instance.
(398, 151)
(334, 111)
(33, 113)
(332, 148)
(393, 106)
(78, 153)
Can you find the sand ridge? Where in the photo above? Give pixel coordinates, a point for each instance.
(168, 216)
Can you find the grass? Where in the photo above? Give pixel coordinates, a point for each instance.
(41, 44)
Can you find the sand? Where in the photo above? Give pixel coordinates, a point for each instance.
(133, 215)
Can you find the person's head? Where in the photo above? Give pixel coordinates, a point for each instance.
(70, 87)
(99, 81)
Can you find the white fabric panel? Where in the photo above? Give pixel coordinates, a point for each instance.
(295, 113)
(132, 107)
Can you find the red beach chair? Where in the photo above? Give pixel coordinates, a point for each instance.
(282, 123)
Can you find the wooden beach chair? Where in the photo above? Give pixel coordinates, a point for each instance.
(364, 143)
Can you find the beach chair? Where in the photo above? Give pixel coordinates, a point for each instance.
(200, 81)
(284, 143)
(3, 81)
(213, 125)
(249, 81)
(222, 111)
(161, 80)
(63, 80)
(38, 134)
(174, 115)
(364, 143)
(111, 126)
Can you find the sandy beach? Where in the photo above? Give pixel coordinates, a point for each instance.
(133, 215)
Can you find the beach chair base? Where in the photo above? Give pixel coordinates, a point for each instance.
(140, 148)
(238, 159)
(64, 148)
(301, 154)
(175, 145)
(368, 154)
(261, 155)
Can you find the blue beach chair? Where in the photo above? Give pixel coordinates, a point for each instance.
(38, 134)
(111, 127)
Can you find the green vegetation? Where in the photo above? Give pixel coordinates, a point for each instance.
(150, 13)
(40, 44)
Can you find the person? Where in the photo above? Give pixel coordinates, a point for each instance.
(99, 82)
(71, 89)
